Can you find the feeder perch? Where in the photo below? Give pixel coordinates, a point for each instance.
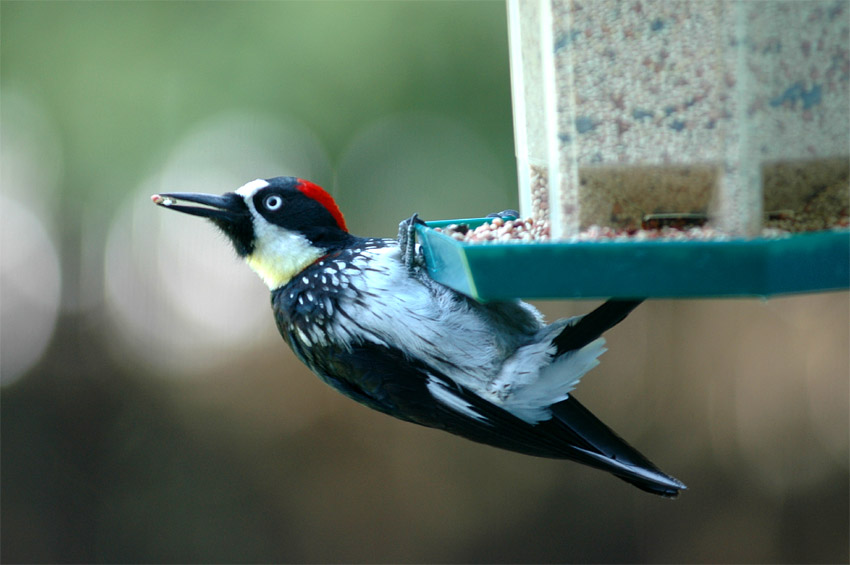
(729, 119)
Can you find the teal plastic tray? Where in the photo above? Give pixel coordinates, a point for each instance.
(807, 262)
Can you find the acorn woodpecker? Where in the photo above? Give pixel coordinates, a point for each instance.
(363, 314)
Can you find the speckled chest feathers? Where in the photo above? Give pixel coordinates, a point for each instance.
(336, 284)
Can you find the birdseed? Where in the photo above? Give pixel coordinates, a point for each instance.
(683, 107)
(828, 209)
(162, 200)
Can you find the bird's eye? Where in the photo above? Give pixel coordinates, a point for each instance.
(273, 202)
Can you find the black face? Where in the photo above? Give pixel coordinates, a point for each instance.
(293, 204)
(228, 211)
(301, 207)
(238, 225)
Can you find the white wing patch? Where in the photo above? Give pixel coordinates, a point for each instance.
(443, 394)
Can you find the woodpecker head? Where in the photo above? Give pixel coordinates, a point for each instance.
(279, 226)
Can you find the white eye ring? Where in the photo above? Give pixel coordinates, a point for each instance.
(273, 202)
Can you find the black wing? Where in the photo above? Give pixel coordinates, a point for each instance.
(384, 379)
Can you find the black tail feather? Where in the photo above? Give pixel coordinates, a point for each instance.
(581, 434)
(590, 326)
(601, 447)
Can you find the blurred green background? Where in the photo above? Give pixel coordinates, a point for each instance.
(150, 412)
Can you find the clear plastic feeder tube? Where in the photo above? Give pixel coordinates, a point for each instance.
(728, 108)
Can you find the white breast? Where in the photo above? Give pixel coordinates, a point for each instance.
(502, 353)
(426, 320)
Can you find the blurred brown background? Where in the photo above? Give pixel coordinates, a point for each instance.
(150, 412)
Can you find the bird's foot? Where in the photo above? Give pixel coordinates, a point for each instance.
(505, 214)
(407, 242)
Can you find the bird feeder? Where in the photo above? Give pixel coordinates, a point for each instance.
(728, 120)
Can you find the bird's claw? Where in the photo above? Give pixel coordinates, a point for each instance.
(513, 214)
(407, 241)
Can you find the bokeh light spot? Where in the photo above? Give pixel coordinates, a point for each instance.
(182, 300)
(31, 162)
(30, 285)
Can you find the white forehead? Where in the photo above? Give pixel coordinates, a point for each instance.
(250, 189)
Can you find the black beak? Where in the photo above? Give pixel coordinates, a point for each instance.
(228, 207)
(228, 211)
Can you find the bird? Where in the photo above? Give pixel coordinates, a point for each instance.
(363, 314)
